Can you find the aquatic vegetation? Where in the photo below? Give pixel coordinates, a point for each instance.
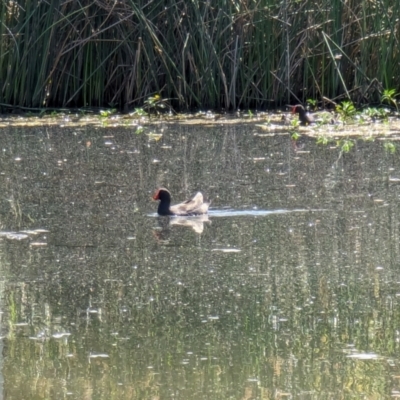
(390, 147)
(313, 103)
(107, 113)
(295, 135)
(346, 110)
(389, 96)
(140, 112)
(295, 123)
(250, 114)
(376, 113)
(139, 130)
(346, 144)
(324, 140)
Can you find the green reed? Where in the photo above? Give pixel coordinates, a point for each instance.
(223, 54)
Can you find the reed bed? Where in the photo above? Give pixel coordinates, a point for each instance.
(221, 54)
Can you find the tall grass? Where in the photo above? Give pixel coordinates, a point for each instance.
(201, 54)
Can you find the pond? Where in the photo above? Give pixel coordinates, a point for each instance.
(290, 287)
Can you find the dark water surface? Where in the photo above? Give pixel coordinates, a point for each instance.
(290, 289)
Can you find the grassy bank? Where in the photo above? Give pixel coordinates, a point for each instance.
(201, 54)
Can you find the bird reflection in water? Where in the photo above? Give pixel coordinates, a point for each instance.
(165, 223)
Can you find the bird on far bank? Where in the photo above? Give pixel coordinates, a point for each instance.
(322, 117)
(194, 206)
(304, 117)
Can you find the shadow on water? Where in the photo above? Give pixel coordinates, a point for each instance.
(290, 290)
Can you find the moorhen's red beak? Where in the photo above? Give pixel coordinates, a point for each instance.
(156, 195)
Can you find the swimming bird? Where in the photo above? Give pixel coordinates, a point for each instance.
(194, 206)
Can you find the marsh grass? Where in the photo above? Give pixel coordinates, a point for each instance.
(223, 54)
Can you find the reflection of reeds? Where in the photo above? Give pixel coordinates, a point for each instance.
(228, 54)
(15, 209)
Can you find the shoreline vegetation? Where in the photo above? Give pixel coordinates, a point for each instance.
(224, 55)
(370, 123)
